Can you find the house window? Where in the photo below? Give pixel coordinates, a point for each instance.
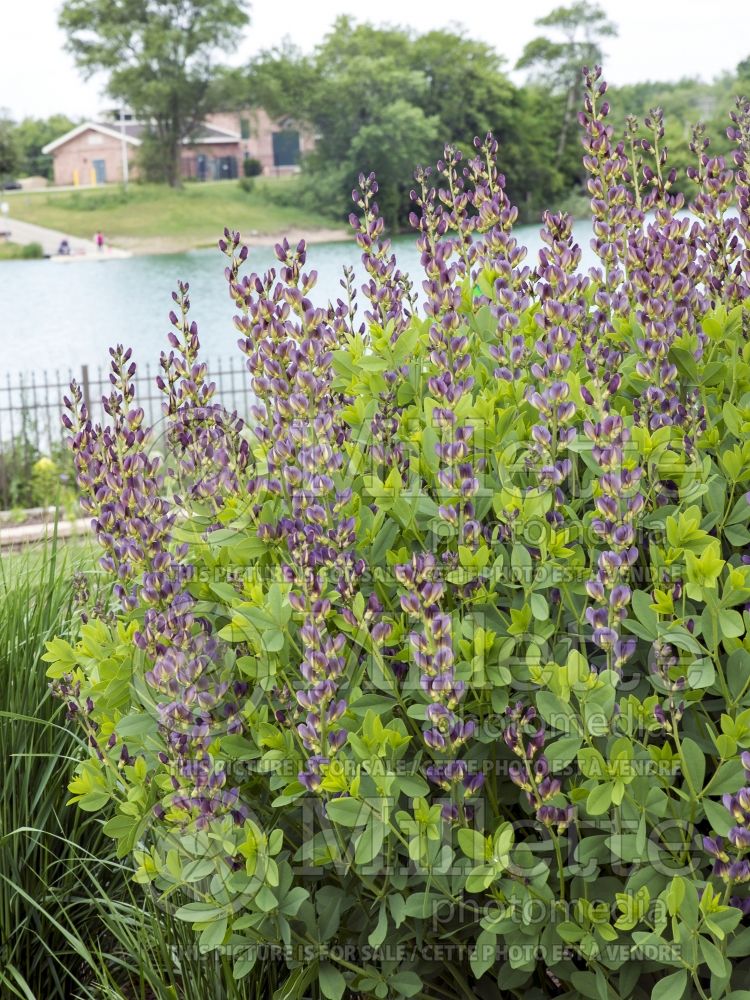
(285, 148)
(95, 139)
(245, 128)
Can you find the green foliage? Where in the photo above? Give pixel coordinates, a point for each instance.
(466, 85)
(41, 842)
(9, 149)
(359, 70)
(29, 478)
(398, 135)
(153, 158)
(557, 63)
(21, 251)
(158, 56)
(383, 99)
(32, 134)
(583, 26)
(72, 923)
(251, 167)
(493, 540)
(32, 251)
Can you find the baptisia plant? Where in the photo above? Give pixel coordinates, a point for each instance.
(430, 675)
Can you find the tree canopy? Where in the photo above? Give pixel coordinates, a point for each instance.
(385, 98)
(9, 148)
(158, 56)
(32, 135)
(578, 32)
(376, 97)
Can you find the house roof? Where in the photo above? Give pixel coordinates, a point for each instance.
(112, 130)
(132, 131)
(210, 133)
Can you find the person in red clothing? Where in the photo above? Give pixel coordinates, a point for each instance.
(99, 240)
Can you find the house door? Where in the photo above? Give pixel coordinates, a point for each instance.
(226, 168)
(100, 171)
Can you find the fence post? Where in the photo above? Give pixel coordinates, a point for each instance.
(85, 388)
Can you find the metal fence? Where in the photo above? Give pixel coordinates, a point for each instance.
(31, 404)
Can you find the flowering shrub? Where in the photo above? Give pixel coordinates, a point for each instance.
(433, 678)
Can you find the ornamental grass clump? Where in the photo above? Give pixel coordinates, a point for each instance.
(430, 676)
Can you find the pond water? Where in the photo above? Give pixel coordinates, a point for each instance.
(59, 317)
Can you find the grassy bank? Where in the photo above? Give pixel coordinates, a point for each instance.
(151, 218)
(20, 251)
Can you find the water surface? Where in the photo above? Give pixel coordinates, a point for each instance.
(59, 317)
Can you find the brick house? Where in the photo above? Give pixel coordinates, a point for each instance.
(277, 144)
(93, 152)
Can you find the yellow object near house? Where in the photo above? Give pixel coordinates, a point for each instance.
(76, 180)
(92, 177)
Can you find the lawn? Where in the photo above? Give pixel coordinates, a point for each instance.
(25, 564)
(154, 218)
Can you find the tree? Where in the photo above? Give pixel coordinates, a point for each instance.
(32, 135)
(557, 64)
(280, 80)
(158, 55)
(398, 136)
(470, 95)
(357, 91)
(385, 99)
(9, 156)
(466, 87)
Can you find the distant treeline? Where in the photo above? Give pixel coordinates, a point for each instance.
(21, 145)
(383, 98)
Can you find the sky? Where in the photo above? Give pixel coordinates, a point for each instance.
(658, 39)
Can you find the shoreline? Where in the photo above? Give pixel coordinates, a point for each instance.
(153, 220)
(85, 251)
(159, 245)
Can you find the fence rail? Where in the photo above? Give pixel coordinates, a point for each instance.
(31, 404)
